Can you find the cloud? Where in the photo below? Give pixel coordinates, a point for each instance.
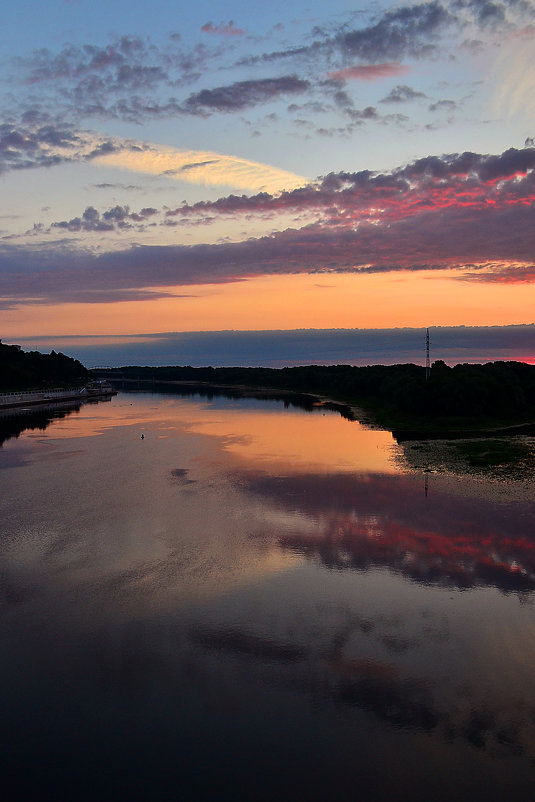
(135, 79)
(417, 31)
(443, 105)
(302, 347)
(118, 217)
(402, 94)
(244, 94)
(116, 185)
(368, 72)
(127, 62)
(432, 184)
(222, 30)
(514, 79)
(408, 30)
(122, 78)
(203, 167)
(469, 546)
(25, 146)
(451, 239)
(468, 212)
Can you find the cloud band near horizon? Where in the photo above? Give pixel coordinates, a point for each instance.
(466, 212)
(452, 344)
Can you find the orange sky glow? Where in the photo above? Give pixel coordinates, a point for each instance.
(338, 300)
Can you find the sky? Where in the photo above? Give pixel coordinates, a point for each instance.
(172, 169)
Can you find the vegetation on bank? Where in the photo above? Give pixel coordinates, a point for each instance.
(31, 370)
(463, 398)
(492, 453)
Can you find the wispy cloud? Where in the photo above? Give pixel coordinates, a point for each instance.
(26, 146)
(514, 78)
(204, 167)
(134, 79)
(369, 72)
(223, 29)
(243, 94)
(402, 94)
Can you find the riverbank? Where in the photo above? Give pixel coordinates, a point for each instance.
(371, 411)
(31, 398)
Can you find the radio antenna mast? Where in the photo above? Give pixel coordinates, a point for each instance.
(427, 362)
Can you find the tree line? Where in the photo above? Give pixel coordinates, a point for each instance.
(32, 370)
(468, 392)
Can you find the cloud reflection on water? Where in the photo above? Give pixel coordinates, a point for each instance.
(366, 521)
(197, 601)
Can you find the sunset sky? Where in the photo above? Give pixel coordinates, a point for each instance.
(232, 165)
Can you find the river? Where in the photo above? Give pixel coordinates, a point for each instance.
(209, 598)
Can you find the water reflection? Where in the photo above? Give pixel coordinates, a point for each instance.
(14, 422)
(258, 602)
(375, 520)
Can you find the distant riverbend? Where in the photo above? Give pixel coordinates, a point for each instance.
(497, 398)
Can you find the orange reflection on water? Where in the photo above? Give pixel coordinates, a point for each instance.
(292, 442)
(299, 441)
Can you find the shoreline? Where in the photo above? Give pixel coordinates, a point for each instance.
(39, 398)
(361, 413)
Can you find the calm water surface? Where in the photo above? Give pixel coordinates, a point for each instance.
(254, 602)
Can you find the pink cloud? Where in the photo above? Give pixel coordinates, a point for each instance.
(470, 212)
(466, 182)
(222, 30)
(369, 72)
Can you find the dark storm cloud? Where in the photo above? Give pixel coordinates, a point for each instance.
(244, 94)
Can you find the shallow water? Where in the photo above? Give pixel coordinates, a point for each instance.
(259, 602)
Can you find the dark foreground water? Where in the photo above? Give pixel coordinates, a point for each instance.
(254, 602)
